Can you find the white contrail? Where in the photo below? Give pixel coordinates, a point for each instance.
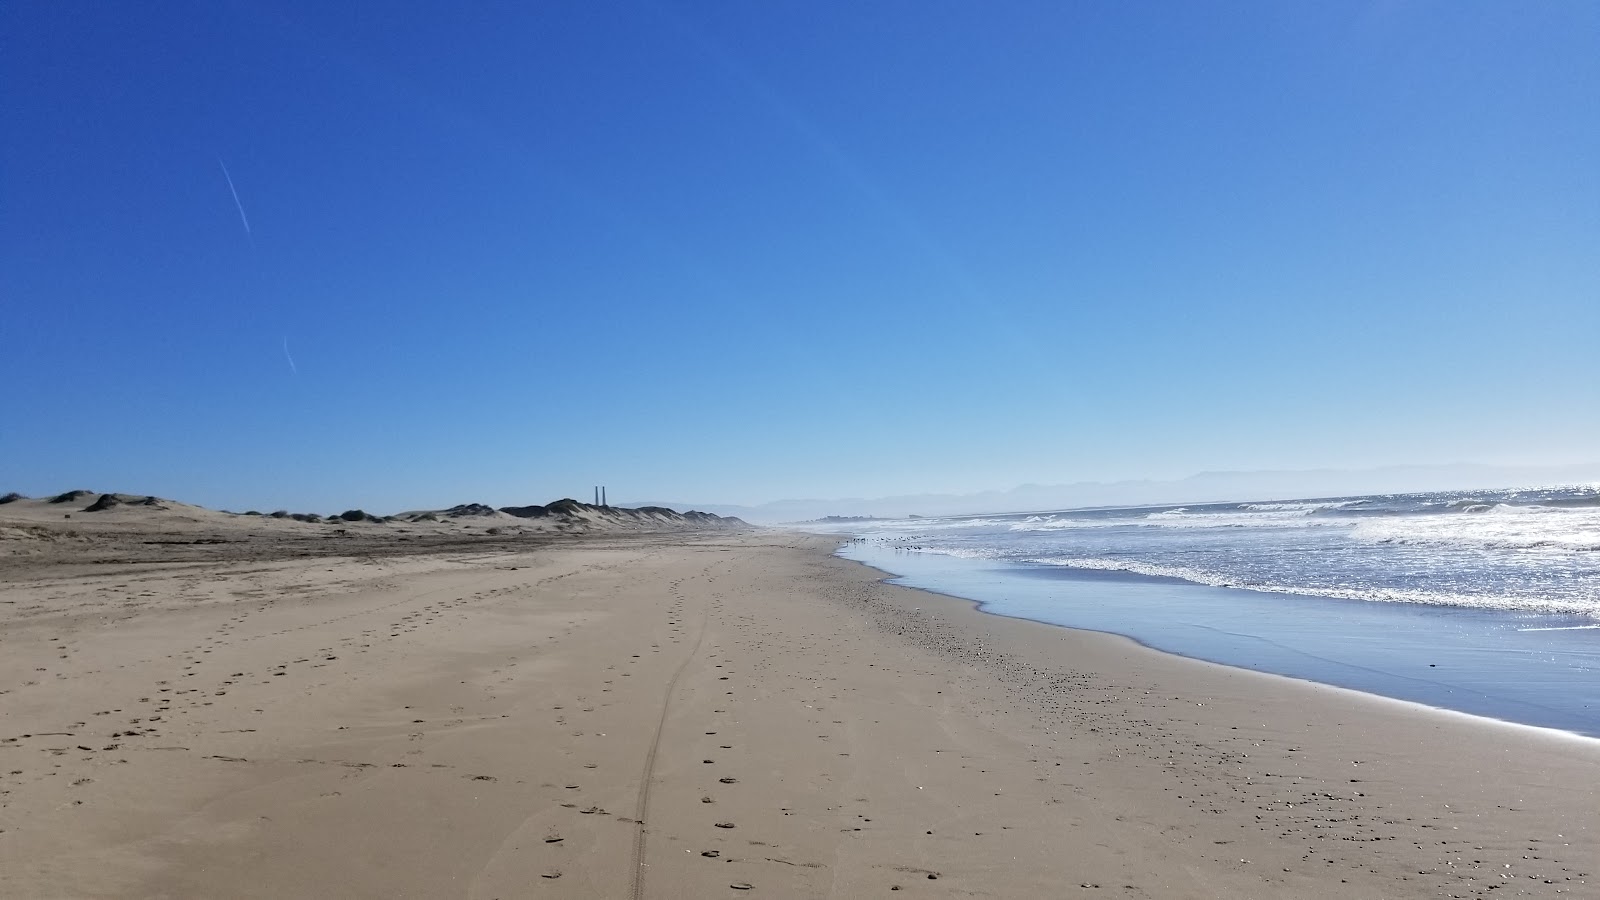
(242, 217)
(292, 367)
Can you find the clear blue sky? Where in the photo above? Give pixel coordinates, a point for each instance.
(742, 251)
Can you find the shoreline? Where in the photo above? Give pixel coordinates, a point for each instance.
(701, 714)
(981, 607)
(1467, 660)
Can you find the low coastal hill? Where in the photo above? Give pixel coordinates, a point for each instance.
(644, 518)
(96, 526)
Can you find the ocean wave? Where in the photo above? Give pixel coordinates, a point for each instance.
(1506, 506)
(1532, 500)
(960, 552)
(1176, 519)
(1499, 527)
(1279, 518)
(920, 525)
(1052, 523)
(1586, 606)
(1303, 507)
(1588, 502)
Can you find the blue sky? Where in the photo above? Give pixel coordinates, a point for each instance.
(734, 252)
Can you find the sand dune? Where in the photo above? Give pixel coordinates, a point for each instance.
(82, 525)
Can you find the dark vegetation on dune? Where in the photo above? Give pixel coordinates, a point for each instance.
(12, 497)
(283, 514)
(111, 501)
(470, 509)
(106, 501)
(528, 512)
(568, 509)
(565, 507)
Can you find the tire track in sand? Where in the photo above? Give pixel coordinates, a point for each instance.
(641, 813)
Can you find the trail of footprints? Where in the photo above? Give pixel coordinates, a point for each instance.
(715, 751)
(168, 714)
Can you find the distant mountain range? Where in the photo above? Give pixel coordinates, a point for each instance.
(1201, 488)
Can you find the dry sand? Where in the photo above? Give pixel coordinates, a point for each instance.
(698, 715)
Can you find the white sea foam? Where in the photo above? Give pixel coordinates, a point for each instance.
(1277, 518)
(937, 524)
(1302, 507)
(1185, 518)
(1529, 551)
(1562, 605)
(960, 552)
(1053, 523)
(899, 526)
(1501, 527)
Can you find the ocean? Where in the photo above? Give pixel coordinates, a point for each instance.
(1484, 602)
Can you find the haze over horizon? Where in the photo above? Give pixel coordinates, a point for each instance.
(1200, 487)
(315, 258)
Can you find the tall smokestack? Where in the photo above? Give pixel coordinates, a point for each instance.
(597, 495)
(603, 496)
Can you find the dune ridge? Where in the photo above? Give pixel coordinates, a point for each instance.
(83, 526)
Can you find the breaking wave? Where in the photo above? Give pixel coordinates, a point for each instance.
(1569, 606)
(1535, 550)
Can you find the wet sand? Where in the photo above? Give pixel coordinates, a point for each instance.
(1515, 666)
(684, 715)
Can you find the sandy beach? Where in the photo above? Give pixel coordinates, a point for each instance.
(701, 714)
